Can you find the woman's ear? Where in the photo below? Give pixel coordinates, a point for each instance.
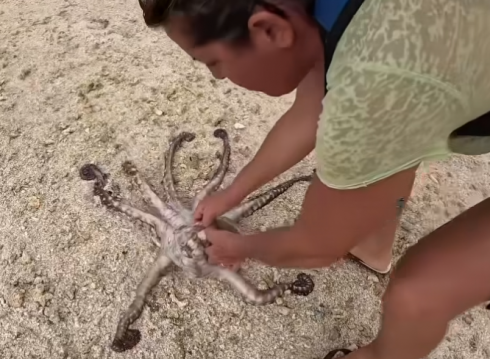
(270, 30)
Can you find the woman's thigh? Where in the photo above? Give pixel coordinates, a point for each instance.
(448, 271)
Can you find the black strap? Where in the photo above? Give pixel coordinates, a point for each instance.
(333, 37)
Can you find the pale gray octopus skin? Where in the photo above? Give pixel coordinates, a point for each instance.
(181, 242)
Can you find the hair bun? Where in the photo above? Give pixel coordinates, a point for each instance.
(155, 11)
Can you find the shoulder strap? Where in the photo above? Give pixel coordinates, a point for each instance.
(328, 11)
(334, 16)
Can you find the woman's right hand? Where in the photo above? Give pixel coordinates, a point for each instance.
(215, 205)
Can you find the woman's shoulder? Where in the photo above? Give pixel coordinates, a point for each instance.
(403, 34)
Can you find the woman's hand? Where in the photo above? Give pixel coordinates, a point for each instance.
(215, 205)
(291, 139)
(227, 249)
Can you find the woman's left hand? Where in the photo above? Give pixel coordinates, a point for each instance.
(227, 249)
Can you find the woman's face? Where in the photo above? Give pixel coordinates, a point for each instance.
(274, 61)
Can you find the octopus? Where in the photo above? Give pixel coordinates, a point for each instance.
(180, 241)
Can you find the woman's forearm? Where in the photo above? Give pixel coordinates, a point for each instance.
(291, 139)
(283, 248)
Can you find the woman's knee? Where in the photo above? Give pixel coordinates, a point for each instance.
(410, 298)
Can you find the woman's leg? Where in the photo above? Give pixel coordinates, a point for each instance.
(377, 250)
(445, 274)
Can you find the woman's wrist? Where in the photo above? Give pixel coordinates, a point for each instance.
(238, 190)
(271, 247)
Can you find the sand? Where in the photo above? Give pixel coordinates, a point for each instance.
(88, 82)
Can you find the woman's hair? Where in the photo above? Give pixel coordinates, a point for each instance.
(212, 20)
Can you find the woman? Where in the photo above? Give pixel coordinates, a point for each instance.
(407, 81)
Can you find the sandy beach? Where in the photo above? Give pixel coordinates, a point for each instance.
(89, 82)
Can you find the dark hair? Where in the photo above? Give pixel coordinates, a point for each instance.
(212, 20)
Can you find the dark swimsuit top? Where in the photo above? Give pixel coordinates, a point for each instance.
(334, 16)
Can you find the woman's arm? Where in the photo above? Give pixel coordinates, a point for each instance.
(367, 152)
(331, 223)
(291, 139)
